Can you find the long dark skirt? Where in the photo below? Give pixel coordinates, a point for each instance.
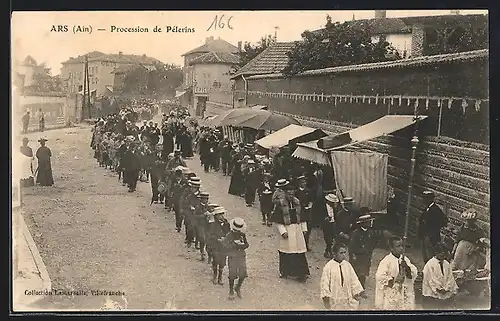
(236, 187)
(44, 176)
(293, 265)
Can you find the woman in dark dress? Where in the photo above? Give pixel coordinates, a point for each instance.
(168, 143)
(237, 181)
(44, 175)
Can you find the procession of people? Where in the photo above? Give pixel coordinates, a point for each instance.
(293, 198)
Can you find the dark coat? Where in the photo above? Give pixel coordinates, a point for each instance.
(361, 248)
(430, 223)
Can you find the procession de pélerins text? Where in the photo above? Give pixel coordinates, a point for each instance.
(119, 29)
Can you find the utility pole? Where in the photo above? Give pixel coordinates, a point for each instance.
(276, 34)
(88, 85)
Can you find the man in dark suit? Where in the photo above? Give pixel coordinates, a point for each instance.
(430, 223)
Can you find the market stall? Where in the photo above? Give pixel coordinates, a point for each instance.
(359, 173)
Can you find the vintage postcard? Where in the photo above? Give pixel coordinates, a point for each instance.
(250, 160)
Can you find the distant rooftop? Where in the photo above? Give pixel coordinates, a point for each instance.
(216, 58)
(118, 58)
(213, 45)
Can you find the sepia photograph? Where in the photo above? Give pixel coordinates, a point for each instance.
(171, 161)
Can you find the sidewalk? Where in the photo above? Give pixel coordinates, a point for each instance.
(29, 272)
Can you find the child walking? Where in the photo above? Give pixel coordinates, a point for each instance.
(235, 244)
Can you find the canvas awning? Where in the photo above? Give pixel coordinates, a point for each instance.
(179, 93)
(380, 127)
(281, 137)
(315, 151)
(311, 152)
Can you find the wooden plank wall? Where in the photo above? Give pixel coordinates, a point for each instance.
(458, 172)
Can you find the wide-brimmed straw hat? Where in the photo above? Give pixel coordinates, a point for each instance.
(219, 210)
(203, 195)
(365, 218)
(212, 206)
(42, 140)
(238, 224)
(281, 182)
(332, 198)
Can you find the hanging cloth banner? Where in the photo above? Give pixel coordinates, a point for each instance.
(392, 100)
(335, 101)
(477, 105)
(384, 100)
(400, 100)
(427, 104)
(464, 105)
(450, 102)
(408, 102)
(364, 97)
(362, 176)
(369, 100)
(376, 100)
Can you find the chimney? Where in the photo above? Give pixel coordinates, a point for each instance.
(239, 46)
(120, 53)
(380, 14)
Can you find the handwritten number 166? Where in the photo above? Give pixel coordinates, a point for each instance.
(219, 22)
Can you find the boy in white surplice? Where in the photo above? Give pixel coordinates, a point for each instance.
(438, 284)
(394, 280)
(340, 287)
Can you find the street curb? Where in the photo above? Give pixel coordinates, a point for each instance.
(44, 275)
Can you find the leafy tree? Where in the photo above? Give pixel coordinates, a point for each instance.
(160, 80)
(250, 51)
(454, 37)
(338, 44)
(43, 81)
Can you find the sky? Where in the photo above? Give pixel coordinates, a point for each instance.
(31, 33)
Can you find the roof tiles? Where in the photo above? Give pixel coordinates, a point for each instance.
(216, 45)
(216, 58)
(272, 60)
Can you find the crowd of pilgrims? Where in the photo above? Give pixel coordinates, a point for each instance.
(291, 197)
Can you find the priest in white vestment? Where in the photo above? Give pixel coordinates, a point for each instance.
(340, 287)
(292, 244)
(438, 283)
(394, 280)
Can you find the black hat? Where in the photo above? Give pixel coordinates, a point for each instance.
(42, 140)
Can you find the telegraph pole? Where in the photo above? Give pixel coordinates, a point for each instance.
(88, 84)
(276, 34)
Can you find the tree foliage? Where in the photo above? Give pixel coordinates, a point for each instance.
(338, 44)
(160, 80)
(250, 51)
(43, 81)
(454, 37)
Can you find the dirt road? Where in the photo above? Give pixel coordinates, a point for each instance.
(94, 235)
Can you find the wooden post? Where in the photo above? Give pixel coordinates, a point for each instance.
(414, 143)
